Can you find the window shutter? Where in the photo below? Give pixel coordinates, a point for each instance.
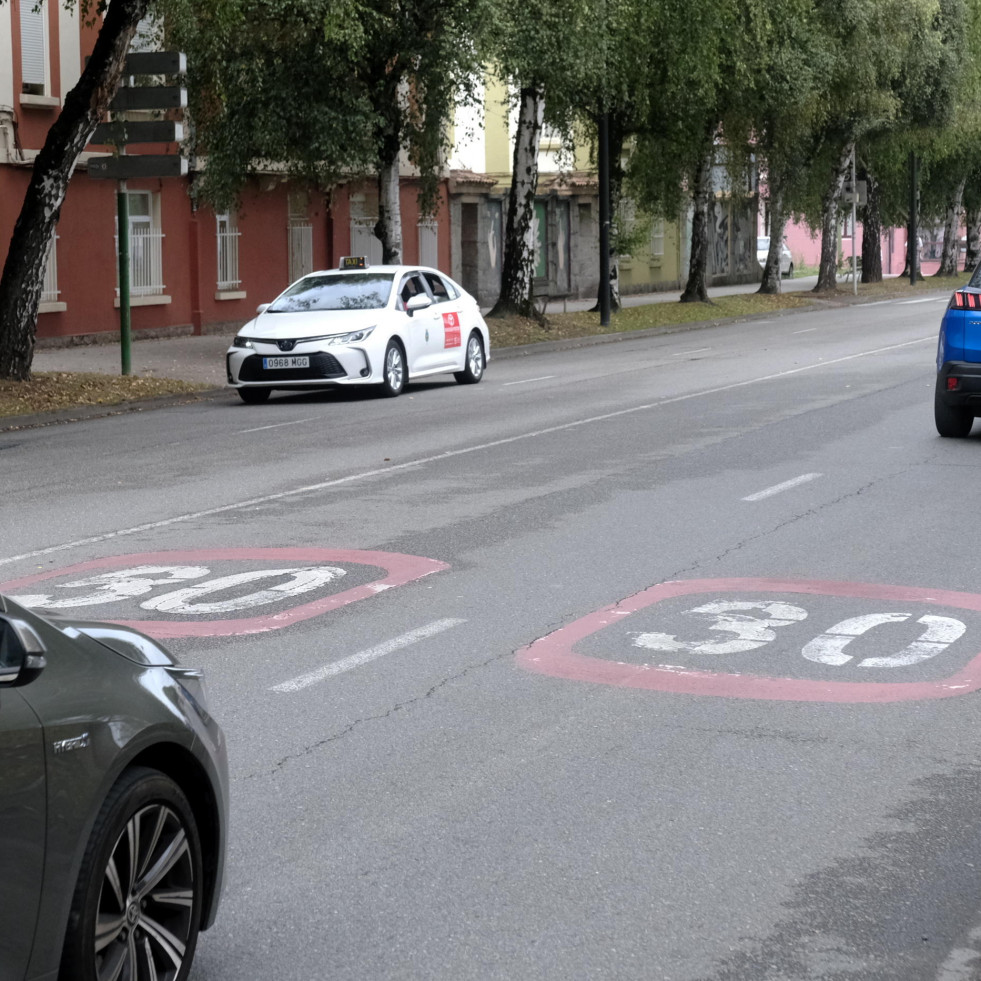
(32, 44)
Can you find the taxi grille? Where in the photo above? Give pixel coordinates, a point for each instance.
(322, 366)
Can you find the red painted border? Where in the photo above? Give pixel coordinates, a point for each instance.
(399, 569)
(554, 654)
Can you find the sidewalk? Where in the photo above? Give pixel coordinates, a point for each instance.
(202, 358)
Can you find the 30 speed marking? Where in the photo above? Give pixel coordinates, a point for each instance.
(181, 583)
(737, 626)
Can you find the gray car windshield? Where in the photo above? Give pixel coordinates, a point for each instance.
(336, 291)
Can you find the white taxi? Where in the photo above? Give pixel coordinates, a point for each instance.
(360, 325)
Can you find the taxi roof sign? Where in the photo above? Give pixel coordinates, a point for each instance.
(354, 262)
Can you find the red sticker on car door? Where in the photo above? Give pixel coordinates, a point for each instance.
(451, 329)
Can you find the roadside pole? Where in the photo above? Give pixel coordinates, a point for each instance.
(854, 224)
(123, 131)
(604, 217)
(122, 213)
(914, 251)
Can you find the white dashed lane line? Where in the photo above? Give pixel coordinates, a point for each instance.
(452, 454)
(786, 485)
(275, 425)
(528, 381)
(363, 657)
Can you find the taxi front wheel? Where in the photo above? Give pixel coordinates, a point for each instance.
(393, 373)
(473, 368)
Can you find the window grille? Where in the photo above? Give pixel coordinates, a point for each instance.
(145, 247)
(227, 244)
(49, 290)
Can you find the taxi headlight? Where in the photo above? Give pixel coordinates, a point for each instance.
(240, 341)
(352, 338)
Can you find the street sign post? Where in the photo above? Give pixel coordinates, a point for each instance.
(120, 167)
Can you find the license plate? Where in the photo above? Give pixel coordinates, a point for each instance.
(296, 361)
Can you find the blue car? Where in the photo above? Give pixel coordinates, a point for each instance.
(958, 394)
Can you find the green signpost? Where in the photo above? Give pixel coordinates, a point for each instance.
(119, 167)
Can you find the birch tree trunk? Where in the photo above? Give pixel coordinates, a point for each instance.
(772, 280)
(872, 234)
(973, 253)
(948, 256)
(695, 288)
(518, 268)
(388, 228)
(828, 269)
(85, 105)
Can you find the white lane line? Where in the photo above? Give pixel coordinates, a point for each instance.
(923, 299)
(528, 381)
(878, 303)
(786, 485)
(276, 425)
(363, 657)
(450, 454)
(807, 331)
(684, 354)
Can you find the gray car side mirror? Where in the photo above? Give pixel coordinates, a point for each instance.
(21, 653)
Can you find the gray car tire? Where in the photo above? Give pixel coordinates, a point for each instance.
(123, 916)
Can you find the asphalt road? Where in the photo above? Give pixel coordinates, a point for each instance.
(666, 671)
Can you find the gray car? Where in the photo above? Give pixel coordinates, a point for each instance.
(113, 803)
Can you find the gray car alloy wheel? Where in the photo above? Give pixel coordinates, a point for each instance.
(137, 908)
(145, 911)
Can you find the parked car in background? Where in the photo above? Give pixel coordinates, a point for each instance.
(786, 259)
(360, 325)
(113, 803)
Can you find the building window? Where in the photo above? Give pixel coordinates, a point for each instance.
(33, 48)
(300, 232)
(657, 237)
(227, 236)
(50, 291)
(363, 239)
(145, 245)
(428, 244)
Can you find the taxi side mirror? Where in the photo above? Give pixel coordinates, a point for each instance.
(262, 308)
(418, 302)
(21, 653)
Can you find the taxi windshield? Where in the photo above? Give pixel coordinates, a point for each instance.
(336, 291)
